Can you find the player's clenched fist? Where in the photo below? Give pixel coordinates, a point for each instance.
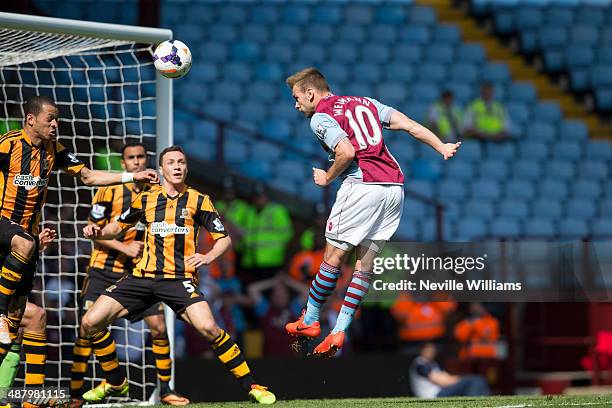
(448, 150)
(319, 176)
(148, 175)
(46, 236)
(91, 231)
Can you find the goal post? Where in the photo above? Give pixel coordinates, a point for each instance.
(103, 79)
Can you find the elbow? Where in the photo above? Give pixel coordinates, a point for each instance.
(228, 242)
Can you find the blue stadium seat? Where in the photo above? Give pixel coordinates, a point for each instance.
(603, 97)
(473, 53)
(504, 22)
(504, 228)
(601, 75)
(554, 60)
(344, 52)
(497, 73)
(227, 91)
(431, 72)
(326, 34)
(585, 36)
(425, 92)
(533, 150)
(604, 54)
(593, 170)
(442, 54)
(222, 33)
(451, 190)
(233, 14)
(464, 72)
(206, 72)
(461, 92)
(573, 130)
(578, 57)
(351, 34)
(589, 16)
(413, 35)
(265, 15)
(529, 41)
(276, 129)
(407, 230)
(518, 112)
(237, 71)
(580, 79)
(245, 51)
(256, 33)
(546, 208)
(367, 72)
(235, 151)
(278, 52)
(459, 170)
(560, 16)
(358, 14)
(519, 189)
(493, 169)
(539, 228)
(313, 52)
(414, 209)
(447, 34)
(568, 150)
(326, 14)
(312, 192)
(390, 94)
(477, 208)
(287, 34)
(547, 112)
(214, 52)
(552, 37)
(580, 208)
(527, 169)
(422, 15)
(485, 189)
(407, 53)
(221, 110)
(513, 209)
(522, 92)
(472, 228)
(540, 131)
(599, 149)
(268, 72)
(264, 91)
(375, 52)
(425, 169)
(363, 89)
(390, 14)
(553, 189)
(504, 151)
(471, 149)
(422, 187)
(602, 227)
(295, 14)
(252, 111)
(417, 111)
(398, 72)
(268, 152)
(529, 18)
(573, 228)
(382, 33)
(588, 189)
(560, 169)
(285, 185)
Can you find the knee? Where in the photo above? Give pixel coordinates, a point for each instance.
(23, 246)
(333, 259)
(158, 330)
(209, 330)
(88, 326)
(39, 320)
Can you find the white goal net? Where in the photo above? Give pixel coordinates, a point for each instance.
(107, 93)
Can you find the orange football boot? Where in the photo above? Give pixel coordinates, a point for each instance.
(299, 328)
(328, 347)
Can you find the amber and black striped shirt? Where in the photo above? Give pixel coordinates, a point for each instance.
(172, 227)
(108, 204)
(25, 171)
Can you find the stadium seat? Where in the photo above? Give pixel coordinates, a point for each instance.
(553, 189)
(431, 72)
(522, 92)
(527, 169)
(472, 228)
(344, 52)
(458, 170)
(245, 51)
(464, 72)
(588, 189)
(426, 92)
(573, 229)
(414, 209)
(578, 57)
(593, 170)
(547, 112)
(236, 72)
(422, 187)
(442, 54)
(533, 151)
(223, 33)
(447, 34)
(422, 15)
(413, 35)
(485, 189)
(276, 129)
(539, 228)
(560, 169)
(375, 52)
(398, 72)
(382, 33)
(406, 53)
(235, 151)
(547, 208)
(311, 192)
(568, 150)
(602, 227)
(513, 209)
(390, 94)
(573, 130)
(264, 15)
(493, 169)
(326, 14)
(390, 14)
(605, 207)
(504, 228)
(295, 14)
(585, 36)
(287, 34)
(407, 230)
(589, 16)
(358, 14)
(264, 91)
(540, 131)
(599, 150)
(503, 151)
(580, 208)
(477, 208)
(233, 14)
(472, 53)
(471, 149)
(451, 190)
(351, 34)
(519, 189)
(529, 18)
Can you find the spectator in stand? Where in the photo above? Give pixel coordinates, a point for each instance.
(478, 334)
(445, 118)
(268, 233)
(307, 239)
(428, 380)
(304, 265)
(486, 119)
(279, 310)
(236, 211)
(420, 322)
(11, 124)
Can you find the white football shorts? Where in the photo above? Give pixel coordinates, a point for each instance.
(361, 212)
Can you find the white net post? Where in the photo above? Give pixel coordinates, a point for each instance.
(103, 80)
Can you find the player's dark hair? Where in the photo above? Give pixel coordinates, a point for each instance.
(175, 148)
(308, 77)
(34, 105)
(132, 144)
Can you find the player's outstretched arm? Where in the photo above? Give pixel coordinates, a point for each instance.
(399, 121)
(221, 245)
(107, 178)
(133, 249)
(110, 231)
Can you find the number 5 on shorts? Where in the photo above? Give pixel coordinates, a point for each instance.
(188, 286)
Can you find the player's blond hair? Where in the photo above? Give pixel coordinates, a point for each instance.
(308, 77)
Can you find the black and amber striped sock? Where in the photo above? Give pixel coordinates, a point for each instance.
(229, 354)
(104, 348)
(161, 350)
(80, 356)
(13, 269)
(35, 347)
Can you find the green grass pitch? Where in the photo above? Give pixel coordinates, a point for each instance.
(604, 401)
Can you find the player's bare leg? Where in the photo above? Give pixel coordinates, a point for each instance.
(357, 290)
(307, 326)
(161, 350)
(94, 327)
(201, 318)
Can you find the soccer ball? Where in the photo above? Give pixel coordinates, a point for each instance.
(172, 59)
